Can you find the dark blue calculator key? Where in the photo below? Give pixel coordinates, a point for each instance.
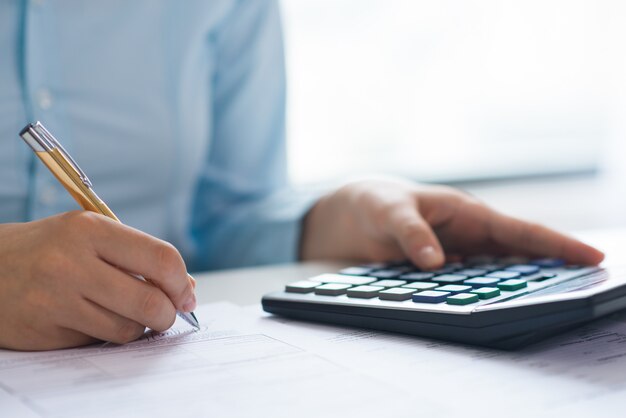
(449, 278)
(417, 276)
(356, 271)
(472, 272)
(524, 269)
(430, 296)
(454, 288)
(505, 275)
(302, 286)
(548, 262)
(332, 289)
(478, 282)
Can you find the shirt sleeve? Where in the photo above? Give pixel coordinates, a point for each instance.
(244, 211)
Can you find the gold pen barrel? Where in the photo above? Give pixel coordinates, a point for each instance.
(68, 177)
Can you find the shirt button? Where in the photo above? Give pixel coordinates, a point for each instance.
(48, 196)
(44, 99)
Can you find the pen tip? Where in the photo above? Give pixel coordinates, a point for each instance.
(196, 323)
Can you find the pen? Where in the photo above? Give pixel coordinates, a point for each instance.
(75, 181)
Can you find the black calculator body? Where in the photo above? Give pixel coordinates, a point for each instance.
(490, 302)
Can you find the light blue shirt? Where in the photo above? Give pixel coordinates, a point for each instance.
(174, 109)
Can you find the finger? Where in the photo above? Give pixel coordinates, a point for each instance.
(100, 323)
(140, 253)
(51, 338)
(129, 297)
(537, 240)
(416, 238)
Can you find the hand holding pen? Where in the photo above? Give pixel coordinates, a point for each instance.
(64, 281)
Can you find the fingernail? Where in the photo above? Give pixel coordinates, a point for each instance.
(190, 305)
(429, 257)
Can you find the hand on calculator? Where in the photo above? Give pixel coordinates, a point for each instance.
(391, 219)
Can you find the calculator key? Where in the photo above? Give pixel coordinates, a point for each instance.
(573, 267)
(430, 296)
(340, 278)
(540, 277)
(332, 289)
(374, 266)
(389, 283)
(399, 263)
(472, 272)
(421, 286)
(356, 271)
(489, 267)
(386, 274)
(364, 292)
(448, 268)
(477, 282)
(513, 284)
(505, 275)
(449, 278)
(548, 262)
(418, 275)
(396, 293)
(462, 299)
(524, 269)
(303, 286)
(454, 288)
(486, 292)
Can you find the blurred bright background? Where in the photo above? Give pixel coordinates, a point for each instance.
(454, 91)
(521, 103)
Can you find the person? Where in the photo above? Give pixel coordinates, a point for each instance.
(177, 112)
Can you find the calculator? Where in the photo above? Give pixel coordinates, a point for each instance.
(496, 302)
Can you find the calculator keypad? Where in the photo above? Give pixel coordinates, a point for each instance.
(475, 281)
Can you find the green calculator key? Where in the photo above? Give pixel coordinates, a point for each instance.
(513, 284)
(462, 299)
(486, 292)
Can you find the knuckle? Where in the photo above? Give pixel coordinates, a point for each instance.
(128, 331)
(79, 221)
(169, 260)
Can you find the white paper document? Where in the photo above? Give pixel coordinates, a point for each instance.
(217, 371)
(247, 363)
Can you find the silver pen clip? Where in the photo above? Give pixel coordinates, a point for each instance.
(40, 139)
